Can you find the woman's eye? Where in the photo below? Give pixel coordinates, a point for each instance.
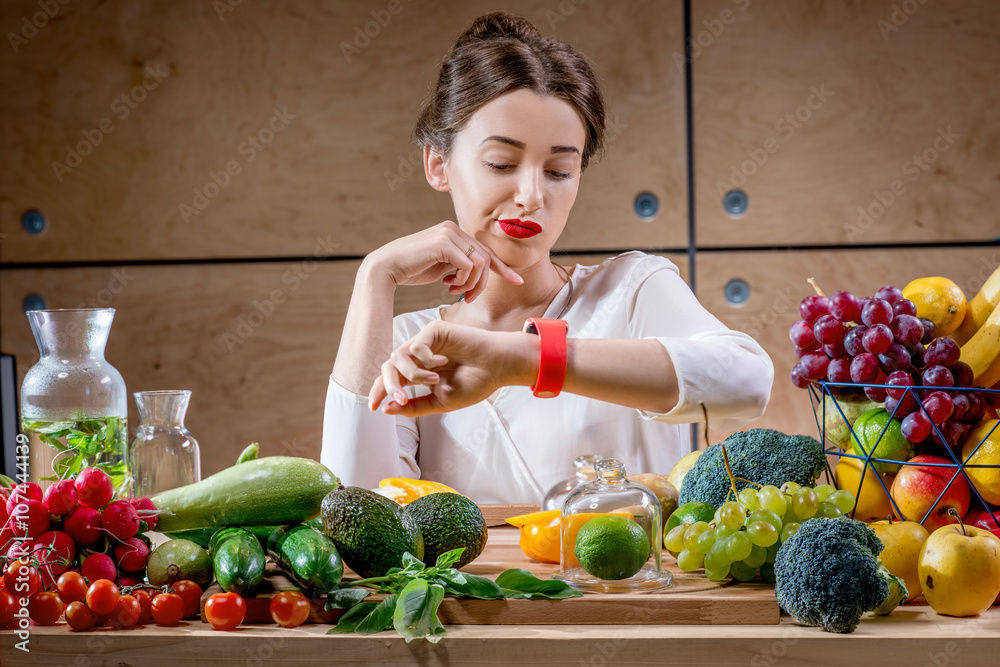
(499, 167)
(561, 174)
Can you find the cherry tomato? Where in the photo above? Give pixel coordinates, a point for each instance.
(168, 608)
(126, 613)
(45, 608)
(225, 610)
(102, 596)
(72, 587)
(8, 607)
(145, 600)
(289, 608)
(21, 578)
(79, 616)
(190, 592)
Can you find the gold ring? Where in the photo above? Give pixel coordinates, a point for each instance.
(468, 253)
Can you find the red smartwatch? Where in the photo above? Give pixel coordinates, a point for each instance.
(552, 361)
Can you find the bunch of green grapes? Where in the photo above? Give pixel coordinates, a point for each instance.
(745, 534)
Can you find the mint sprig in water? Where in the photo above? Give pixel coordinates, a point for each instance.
(83, 443)
(415, 593)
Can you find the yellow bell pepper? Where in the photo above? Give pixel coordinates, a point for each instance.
(540, 533)
(411, 489)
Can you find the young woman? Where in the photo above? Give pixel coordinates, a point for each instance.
(468, 394)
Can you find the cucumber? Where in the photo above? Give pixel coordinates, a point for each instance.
(307, 556)
(203, 536)
(271, 490)
(237, 559)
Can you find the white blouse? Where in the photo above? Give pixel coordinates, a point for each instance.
(517, 447)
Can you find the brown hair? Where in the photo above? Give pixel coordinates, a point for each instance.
(501, 52)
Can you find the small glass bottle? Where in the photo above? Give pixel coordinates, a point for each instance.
(163, 454)
(74, 407)
(583, 471)
(634, 563)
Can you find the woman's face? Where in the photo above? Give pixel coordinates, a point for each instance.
(514, 172)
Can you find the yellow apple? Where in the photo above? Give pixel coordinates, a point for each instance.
(959, 570)
(664, 490)
(903, 540)
(872, 502)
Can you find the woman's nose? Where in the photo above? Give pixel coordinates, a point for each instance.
(530, 195)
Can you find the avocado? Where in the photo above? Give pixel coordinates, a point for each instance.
(370, 531)
(448, 521)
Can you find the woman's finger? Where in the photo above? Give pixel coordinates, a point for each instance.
(377, 394)
(426, 356)
(393, 384)
(407, 367)
(507, 273)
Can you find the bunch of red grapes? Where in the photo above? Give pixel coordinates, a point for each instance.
(879, 340)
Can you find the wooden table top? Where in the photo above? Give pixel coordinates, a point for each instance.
(913, 635)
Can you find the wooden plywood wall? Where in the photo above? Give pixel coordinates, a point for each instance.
(229, 145)
(277, 132)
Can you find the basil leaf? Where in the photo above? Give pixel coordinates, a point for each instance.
(411, 564)
(416, 612)
(353, 618)
(448, 558)
(474, 586)
(345, 598)
(520, 584)
(380, 619)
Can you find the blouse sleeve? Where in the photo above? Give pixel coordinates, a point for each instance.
(726, 370)
(362, 447)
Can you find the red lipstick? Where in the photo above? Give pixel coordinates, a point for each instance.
(519, 229)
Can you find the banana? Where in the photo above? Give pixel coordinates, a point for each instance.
(982, 352)
(979, 309)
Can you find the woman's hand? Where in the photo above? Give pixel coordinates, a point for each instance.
(462, 365)
(430, 255)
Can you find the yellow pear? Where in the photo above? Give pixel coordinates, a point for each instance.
(682, 467)
(959, 570)
(903, 540)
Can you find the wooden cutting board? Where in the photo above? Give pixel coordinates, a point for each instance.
(691, 599)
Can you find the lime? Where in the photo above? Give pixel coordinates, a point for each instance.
(612, 547)
(691, 512)
(876, 430)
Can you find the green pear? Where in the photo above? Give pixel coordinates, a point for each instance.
(853, 404)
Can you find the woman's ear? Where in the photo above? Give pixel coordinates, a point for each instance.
(434, 169)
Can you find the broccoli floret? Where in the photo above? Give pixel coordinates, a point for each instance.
(828, 574)
(763, 456)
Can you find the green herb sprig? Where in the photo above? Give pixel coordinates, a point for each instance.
(415, 593)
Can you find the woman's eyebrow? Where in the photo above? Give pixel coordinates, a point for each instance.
(520, 144)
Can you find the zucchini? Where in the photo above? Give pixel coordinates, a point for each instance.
(271, 490)
(237, 559)
(307, 556)
(248, 454)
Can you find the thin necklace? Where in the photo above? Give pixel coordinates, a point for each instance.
(569, 298)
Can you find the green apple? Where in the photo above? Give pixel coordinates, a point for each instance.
(903, 540)
(959, 570)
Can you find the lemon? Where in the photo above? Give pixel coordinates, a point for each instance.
(939, 300)
(612, 547)
(871, 432)
(986, 480)
(872, 500)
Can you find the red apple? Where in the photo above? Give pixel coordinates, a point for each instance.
(982, 519)
(917, 487)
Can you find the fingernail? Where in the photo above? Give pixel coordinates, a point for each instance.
(433, 377)
(400, 397)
